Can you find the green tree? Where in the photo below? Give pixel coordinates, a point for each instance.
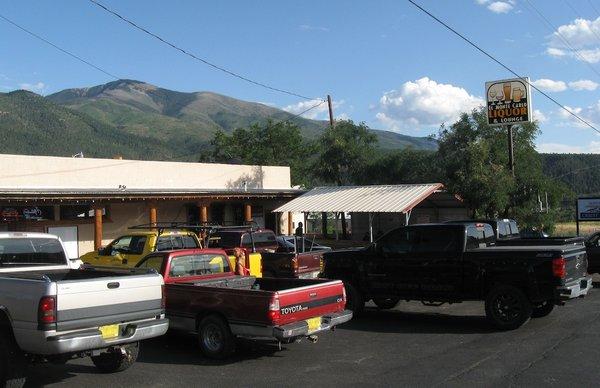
(402, 166)
(274, 144)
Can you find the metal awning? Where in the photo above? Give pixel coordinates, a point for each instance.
(362, 199)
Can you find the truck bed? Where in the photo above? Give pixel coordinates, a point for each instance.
(550, 241)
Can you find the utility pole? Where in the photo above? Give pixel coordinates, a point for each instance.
(331, 124)
(511, 150)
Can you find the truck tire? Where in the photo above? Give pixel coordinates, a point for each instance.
(114, 360)
(215, 338)
(507, 307)
(542, 309)
(13, 366)
(386, 303)
(354, 299)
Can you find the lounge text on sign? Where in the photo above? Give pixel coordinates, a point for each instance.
(508, 101)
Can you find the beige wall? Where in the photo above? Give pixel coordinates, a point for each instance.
(49, 172)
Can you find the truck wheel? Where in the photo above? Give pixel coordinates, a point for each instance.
(543, 309)
(117, 359)
(507, 307)
(386, 303)
(13, 366)
(354, 299)
(215, 338)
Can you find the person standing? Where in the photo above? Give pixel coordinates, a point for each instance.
(299, 231)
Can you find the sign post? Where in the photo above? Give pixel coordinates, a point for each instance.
(509, 103)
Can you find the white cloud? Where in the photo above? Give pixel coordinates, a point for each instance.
(500, 7)
(582, 35)
(592, 148)
(308, 27)
(38, 87)
(424, 103)
(583, 84)
(591, 114)
(481, 2)
(539, 116)
(549, 85)
(318, 113)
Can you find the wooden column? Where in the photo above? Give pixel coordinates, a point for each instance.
(203, 213)
(290, 224)
(97, 227)
(152, 212)
(247, 212)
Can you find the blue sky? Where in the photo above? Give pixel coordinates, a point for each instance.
(384, 63)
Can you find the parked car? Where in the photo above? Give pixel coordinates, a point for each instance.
(450, 263)
(129, 249)
(288, 244)
(49, 311)
(504, 229)
(592, 244)
(205, 297)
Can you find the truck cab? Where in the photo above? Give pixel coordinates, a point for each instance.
(128, 249)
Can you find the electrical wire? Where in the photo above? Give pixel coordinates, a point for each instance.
(58, 47)
(191, 55)
(503, 65)
(578, 15)
(555, 30)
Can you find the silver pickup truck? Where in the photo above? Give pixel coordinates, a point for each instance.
(50, 311)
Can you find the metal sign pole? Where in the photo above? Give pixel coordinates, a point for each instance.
(577, 215)
(511, 150)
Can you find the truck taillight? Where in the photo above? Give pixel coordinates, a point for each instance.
(47, 310)
(559, 267)
(344, 294)
(295, 264)
(274, 313)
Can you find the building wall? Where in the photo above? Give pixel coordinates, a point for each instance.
(49, 172)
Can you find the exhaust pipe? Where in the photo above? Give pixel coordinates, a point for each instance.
(313, 338)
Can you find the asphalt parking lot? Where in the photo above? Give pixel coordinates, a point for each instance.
(410, 345)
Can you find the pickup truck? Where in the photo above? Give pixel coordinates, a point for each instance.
(592, 244)
(49, 311)
(450, 263)
(261, 248)
(204, 296)
(127, 250)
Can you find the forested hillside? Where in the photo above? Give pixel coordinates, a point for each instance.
(581, 172)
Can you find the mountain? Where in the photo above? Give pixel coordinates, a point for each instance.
(189, 120)
(580, 172)
(31, 124)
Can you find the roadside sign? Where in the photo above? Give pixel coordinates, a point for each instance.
(508, 101)
(588, 209)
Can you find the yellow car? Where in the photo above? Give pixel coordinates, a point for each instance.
(129, 249)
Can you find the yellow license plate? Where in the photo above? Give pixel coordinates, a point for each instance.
(314, 324)
(109, 331)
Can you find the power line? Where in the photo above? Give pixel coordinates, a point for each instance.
(555, 30)
(503, 65)
(577, 14)
(57, 47)
(189, 54)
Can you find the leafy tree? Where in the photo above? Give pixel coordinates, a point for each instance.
(275, 144)
(402, 166)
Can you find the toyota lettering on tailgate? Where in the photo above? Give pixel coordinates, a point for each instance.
(293, 309)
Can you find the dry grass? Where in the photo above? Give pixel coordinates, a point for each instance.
(570, 228)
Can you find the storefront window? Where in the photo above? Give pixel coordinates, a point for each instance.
(26, 213)
(79, 212)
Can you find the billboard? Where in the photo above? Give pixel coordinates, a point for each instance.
(588, 209)
(508, 101)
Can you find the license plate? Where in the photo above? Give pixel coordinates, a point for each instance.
(314, 324)
(109, 331)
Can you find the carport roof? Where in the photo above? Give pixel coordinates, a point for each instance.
(362, 199)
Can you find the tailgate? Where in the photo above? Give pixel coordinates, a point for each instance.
(309, 264)
(576, 265)
(301, 303)
(107, 300)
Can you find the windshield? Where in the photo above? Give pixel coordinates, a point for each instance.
(31, 251)
(261, 239)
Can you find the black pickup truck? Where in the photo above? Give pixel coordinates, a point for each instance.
(451, 263)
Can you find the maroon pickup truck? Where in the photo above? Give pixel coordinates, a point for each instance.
(204, 296)
(275, 262)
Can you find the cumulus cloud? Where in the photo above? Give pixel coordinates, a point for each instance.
(500, 7)
(591, 114)
(38, 87)
(539, 116)
(582, 35)
(549, 85)
(308, 27)
(591, 148)
(583, 84)
(423, 103)
(318, 113)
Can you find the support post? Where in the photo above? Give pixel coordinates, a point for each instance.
(324, 224)
(203, 213)
(370, 215)
(577, 215)
(152, 212)
(290, 224)
(97, 227)
(247, 213)
(511, 157)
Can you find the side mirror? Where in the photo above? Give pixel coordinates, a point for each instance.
(102, 251)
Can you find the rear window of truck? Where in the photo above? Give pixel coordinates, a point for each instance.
(260, 239)
(31, 251)
(224, 240)
(167, 243)
(421, 240)
(202, 264)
